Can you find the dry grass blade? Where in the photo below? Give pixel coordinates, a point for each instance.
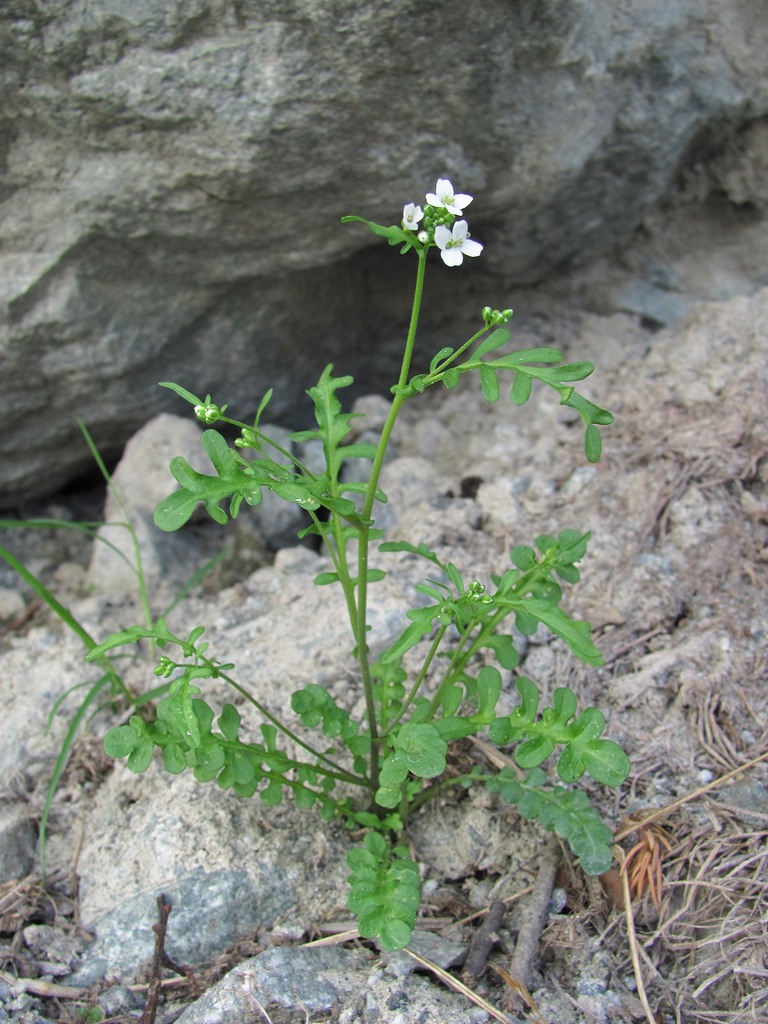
(337, 939)
(665, 811)
(457, 986)
(712, 736)
(519, 989)
(21, 900)
(714, 932)
(633, 946)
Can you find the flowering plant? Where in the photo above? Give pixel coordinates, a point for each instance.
(462, 636)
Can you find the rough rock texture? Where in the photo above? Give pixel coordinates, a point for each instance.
(173, 176)
(301, 981)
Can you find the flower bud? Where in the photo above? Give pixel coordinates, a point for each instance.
(494, 317)
(208, 413)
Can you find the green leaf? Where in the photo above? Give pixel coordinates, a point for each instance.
(566, 812)
(573, 371)
(176, 510)
(236, 479)
(384, 892)
(531, 753)
(593, 443)
(521, 389)
(424, 750)
(420, 627)
(414, 549)
(140, 757)
(451, 377)
(395, 934)
(489, 381)
(488, 692)
(504, 649)
(394, 234)
(229, 722)
(325, 578)
(440, 357)
(530, 355)
(120, 741)
(262, 406)
(606, 762)
(388, 796)
(451, 697)
(174, 760)
(494, 340)
(272, 794)
(575, 633)
(132, 741)
(182, 392)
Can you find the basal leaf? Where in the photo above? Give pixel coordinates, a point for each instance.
(120, 741)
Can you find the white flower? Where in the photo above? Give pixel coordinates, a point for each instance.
(443, 197)
(412, 214)
(456, 244)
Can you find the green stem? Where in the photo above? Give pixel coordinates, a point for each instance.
(345, 775)
(437, 787)
(340, 776)
(364, 539)
(419, 680)
(456, 659)
(432, 378)
(297, 463)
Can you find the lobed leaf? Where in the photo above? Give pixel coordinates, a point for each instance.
(384, 891)
(568, 813)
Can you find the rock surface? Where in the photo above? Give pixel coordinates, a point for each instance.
(173, 178)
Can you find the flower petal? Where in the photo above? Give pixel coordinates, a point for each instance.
(452, 257)
(412, 214)
(442, 236)
(470, 247)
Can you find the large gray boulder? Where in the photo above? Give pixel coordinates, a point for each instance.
(173, 177)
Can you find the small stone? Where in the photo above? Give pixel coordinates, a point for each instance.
(18, 837)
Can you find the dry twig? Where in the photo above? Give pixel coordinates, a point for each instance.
(482, 942)
(533, 917)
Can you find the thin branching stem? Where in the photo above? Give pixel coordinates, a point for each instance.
(346, 776)
(364, 540)
(419, 679)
